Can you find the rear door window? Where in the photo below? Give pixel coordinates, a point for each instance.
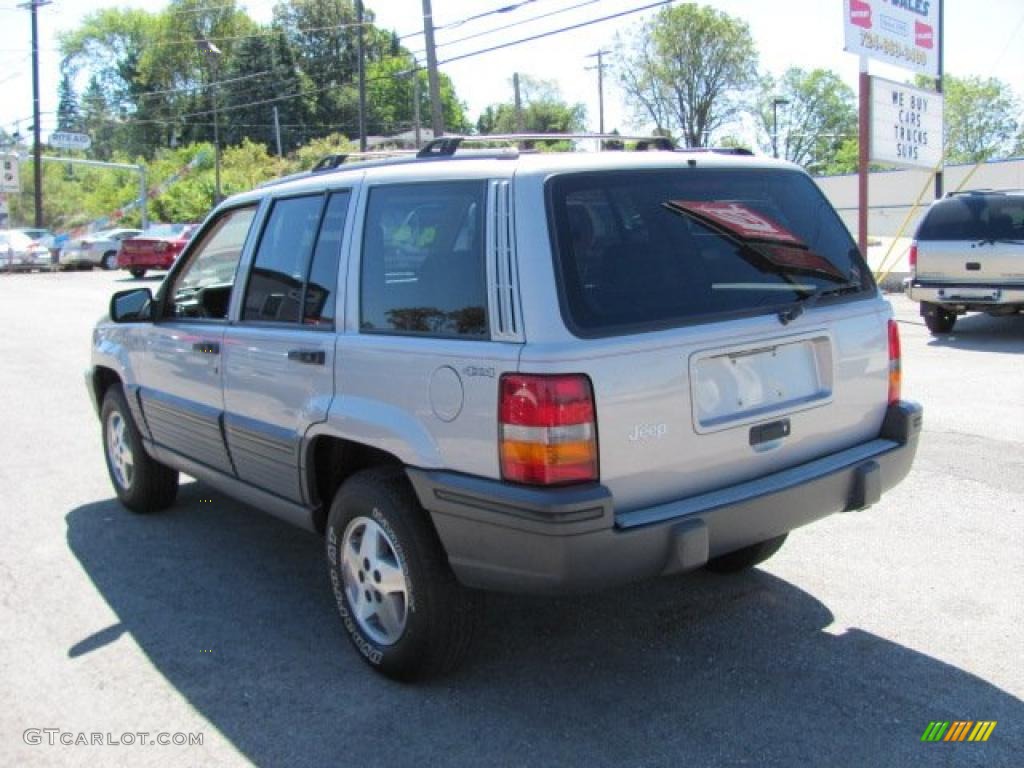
(295, 272)
(647, 249)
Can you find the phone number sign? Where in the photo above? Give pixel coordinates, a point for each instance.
(900, 32)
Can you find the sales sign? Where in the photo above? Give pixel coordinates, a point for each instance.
(906, 125)
(900, 32)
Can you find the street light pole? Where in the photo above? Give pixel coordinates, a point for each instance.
(37, 146)
(214, 53)
(775, 124)
(599, 55)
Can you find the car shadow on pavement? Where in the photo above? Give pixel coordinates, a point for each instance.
(982, 333)
(233, 608)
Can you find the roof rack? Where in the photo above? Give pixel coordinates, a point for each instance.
(330, 162)
(743, 151)
(446, 146)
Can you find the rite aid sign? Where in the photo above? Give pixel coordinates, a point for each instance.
(66, 140)
(900, 32)
(906, 125)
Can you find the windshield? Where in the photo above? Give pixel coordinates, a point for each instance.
(165, 230)
(641, 250)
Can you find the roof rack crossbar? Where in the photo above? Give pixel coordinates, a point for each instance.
(330, 162)
(445, 146)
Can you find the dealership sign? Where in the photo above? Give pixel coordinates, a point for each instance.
(900, 32)
(906, 125)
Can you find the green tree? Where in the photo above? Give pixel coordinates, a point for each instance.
(686, 69)
(980, 116)
(818, 115)
(256, 62)
(68, 117)
(544, 111)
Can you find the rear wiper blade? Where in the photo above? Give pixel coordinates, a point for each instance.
(803, 303)
(994, 240)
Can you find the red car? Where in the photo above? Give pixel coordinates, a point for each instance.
(155, 248)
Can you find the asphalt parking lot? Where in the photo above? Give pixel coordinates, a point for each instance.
(216, 619)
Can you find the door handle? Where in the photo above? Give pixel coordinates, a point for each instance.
(206, 347)
(308, 356)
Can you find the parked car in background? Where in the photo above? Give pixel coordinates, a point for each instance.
(155, 248)
(42, 236)
(98, 249)
(968, 256)
(20, 251)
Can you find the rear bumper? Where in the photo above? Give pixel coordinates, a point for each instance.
(967, 296)
(145, 260)
(510, 538)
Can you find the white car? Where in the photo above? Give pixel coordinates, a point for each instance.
(19, 251)
(98, 249)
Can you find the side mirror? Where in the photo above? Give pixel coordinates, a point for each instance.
(132, 306)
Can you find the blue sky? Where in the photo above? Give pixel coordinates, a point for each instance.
(982, 38)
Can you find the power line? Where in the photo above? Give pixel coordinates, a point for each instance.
(201, 86)
(307, 93)
(514, 24)
(270, 33)
(557, 31)
(460, 22)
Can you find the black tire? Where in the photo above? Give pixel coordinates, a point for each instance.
(939, 321)
(109, 260)
(433, 620)
(138, 273)
(746, 558)
(148, 486)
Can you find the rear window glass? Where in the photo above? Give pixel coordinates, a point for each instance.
(640, 250)
(975, 217)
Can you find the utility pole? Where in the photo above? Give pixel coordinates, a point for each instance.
(361, 53)
(277, 132)
(436, 119)
(776, 103)
(37, 146)
(416, 106)
(599, 55)
(518, 101)
(938, 90)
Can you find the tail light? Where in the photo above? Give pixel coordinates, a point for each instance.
(895, 368)
(162, 246)
(548, 432)
(912, 258)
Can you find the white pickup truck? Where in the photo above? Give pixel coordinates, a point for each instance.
(968, 256)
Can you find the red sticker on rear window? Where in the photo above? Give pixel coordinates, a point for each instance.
(771, 241)
(739, 219)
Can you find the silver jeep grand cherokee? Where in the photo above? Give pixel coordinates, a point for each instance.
(503, 370)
